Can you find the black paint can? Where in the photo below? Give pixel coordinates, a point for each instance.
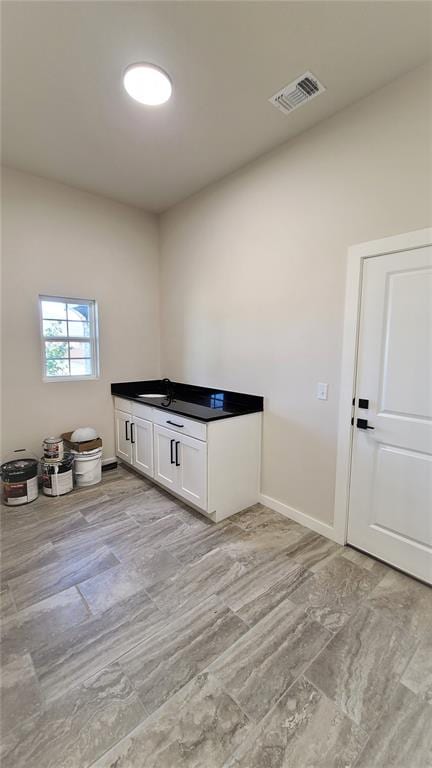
(20, 481)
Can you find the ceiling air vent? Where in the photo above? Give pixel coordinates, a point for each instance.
(301, 90)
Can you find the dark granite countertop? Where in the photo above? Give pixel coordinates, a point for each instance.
(200, 403)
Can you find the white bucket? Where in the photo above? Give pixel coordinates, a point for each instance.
(88, 467)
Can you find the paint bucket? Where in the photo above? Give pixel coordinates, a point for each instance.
(57, 478)
(20, 481)
(53, 449)
(88, 467)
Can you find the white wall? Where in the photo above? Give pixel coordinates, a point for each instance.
(253, 272)
(61, 241)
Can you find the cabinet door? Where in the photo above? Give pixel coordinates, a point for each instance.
(122, 435)
(142, 441)
(165, 470)
(192, 470)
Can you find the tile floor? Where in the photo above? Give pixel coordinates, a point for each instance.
(136, 634)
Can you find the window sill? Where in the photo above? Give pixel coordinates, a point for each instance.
(64, 379)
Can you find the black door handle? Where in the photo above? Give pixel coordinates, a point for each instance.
(174, 424)
(177, 458)
(132, 433)
(363, 424)
(171, 449)
(126, 430)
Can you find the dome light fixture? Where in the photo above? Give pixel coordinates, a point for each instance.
(147, 84)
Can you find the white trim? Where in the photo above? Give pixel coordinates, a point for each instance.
(92, 339)
(300, 517)
(60, 379)
(419, 238)
(111, 460)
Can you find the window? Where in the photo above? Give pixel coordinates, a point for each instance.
(69, 338)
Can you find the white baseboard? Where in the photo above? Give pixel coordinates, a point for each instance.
(110, 460)
(300, 517)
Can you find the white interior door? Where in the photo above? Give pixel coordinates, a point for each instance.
(192, 470)
(390, 513)
(165, 470)
(122, 435)
(142, 436)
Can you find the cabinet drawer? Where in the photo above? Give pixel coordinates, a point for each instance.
(123, 405)
(180, 424)
(142, 411)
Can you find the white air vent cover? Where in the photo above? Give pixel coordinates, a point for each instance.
(301, 90)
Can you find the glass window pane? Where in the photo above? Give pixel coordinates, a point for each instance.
(79, 349)
(62, 321)
(53, 309)
(56, 349)
(78, 329)
(56, 367)
(80, 312)
(55, 328)
(81, 367)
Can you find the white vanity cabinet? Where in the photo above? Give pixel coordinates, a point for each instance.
(165, 470)
(142, 445)
(213, 466)
(192, 471)
(181, 465)
(134, 434)
(123, 444)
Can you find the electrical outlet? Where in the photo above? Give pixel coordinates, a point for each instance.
(322, 391)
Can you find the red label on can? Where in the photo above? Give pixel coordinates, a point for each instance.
(14, 490)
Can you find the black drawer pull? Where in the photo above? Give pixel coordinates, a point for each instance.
(126, 430)
(132, 433)
(171, 449)
(174, 424)
(177, 458)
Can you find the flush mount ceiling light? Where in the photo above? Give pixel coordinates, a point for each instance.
(147, 84)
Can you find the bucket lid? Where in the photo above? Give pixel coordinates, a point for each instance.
(19, 469)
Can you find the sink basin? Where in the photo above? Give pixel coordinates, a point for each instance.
(160, 396)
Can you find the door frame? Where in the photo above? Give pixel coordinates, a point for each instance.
(419, 238)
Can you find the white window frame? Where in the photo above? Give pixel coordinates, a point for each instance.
(93, 339)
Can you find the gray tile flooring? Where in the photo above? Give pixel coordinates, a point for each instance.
(136, 634)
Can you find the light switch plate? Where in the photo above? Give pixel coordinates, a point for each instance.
(322, 391)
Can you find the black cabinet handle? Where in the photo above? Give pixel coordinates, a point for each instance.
(363, 424)
(177, 458)
(171, 449)
(126, 430)
(132, 433)
(174, 424)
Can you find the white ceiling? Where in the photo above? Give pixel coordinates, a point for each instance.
(67, 117)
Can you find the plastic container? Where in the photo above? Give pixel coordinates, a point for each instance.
(57, 476)
(84, 446)
(19, 474)
(88, 467)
